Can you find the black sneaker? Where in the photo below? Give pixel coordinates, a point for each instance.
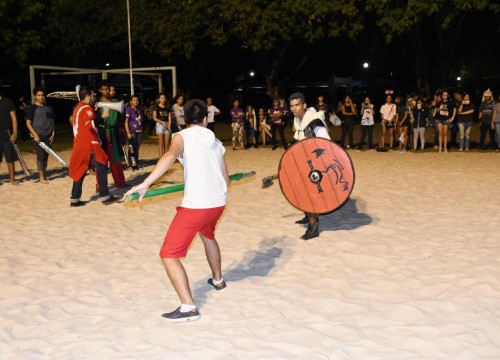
(220, 286)
(303, 221)
(78, 203)
(178, 316)
(311, 232)
(110, 200)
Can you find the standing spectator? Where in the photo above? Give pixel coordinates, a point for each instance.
(212, 112)
(367, 123)
(419, 124)
(109, 135)
(388, 114)
(21, 108)
(287, 117)
(134, 118)
(321, 105)
(163, 120)
(444, 114)
(251, 127)
(486, 116)
(8, 124)
(432, 120)
(178, 122)
(402, 120)
(465, 119)
(454, 128)
(87, 150)
(276, 114)
(40, 123)
(411, 103)
(348, 115)
(495, 124)
(122, 137)
(148, 117)
(264, 127)
(237, 123)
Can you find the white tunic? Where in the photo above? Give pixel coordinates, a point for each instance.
(310, 115)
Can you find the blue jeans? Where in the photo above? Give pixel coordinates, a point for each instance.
(136, 144)
(497, 133)
(102, 179)
(464, 133)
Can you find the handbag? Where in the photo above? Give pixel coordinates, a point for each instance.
(335, 120)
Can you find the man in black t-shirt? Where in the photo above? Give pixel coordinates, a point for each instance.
(8, 134)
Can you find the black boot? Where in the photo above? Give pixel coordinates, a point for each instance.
(311, 232)
(303, 221)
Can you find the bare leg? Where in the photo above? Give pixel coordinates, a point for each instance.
(161, 145)
(167, 141)
(178, 277)
(212, 252)
(445, 136)
(42, 177)
(12, 171)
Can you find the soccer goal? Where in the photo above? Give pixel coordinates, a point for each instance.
(57, 78)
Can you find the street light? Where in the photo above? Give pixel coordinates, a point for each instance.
(366, 65)
(459, 78)
(252, 74)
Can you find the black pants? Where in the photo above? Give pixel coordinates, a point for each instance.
(486, 129)
(281, 130)
(102, 179)
(347, 130)
(41, 155)
(453, 136)
(366, 130)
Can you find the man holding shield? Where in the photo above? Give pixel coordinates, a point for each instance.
(307, 123)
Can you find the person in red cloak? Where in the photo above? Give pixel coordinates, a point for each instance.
(87, 150)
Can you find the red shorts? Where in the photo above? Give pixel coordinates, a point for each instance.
(184, 227)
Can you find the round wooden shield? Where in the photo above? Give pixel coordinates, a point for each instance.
(316, 175)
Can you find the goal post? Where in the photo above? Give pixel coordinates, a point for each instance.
(38, 72)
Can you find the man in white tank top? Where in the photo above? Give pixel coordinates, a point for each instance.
(205, 195)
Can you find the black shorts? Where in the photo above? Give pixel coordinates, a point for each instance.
(7, 149)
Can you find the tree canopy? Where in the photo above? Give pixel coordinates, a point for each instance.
(437, 39)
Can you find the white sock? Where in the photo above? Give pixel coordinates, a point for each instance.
(187, 308)
(217, 282)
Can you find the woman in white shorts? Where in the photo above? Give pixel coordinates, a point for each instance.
(161, 115)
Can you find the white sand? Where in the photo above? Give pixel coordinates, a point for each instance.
(409, 268)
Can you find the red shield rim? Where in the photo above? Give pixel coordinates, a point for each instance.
(316, 175)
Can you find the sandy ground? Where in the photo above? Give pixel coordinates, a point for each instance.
(408, 268)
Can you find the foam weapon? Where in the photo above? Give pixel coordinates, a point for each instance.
(127, 161)
(74, 95)
(180, 187)
(52, 153)
(268, 180)
(20, 157)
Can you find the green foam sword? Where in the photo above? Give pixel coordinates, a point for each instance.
(180, 187)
